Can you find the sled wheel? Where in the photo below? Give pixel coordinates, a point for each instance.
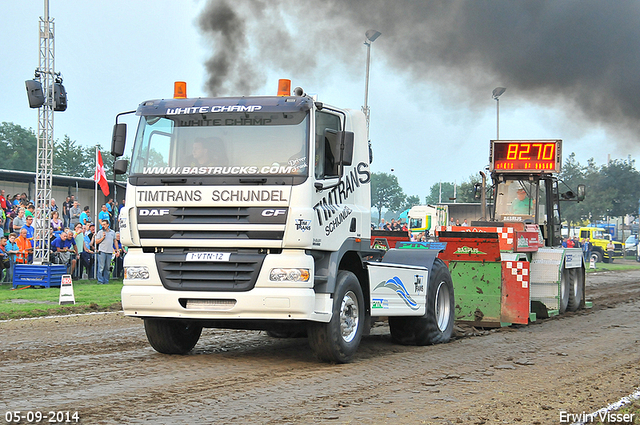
(576, 290)
(565, 290)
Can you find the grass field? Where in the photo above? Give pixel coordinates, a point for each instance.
(90, 296)
(37, 301)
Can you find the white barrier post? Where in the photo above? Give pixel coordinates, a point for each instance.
(66, 290)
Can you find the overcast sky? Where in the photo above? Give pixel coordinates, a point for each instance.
(570, 69)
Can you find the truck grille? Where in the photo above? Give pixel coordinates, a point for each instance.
(236, 275)
(198, 223)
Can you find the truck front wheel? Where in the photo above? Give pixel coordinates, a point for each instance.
(168, 336)
(338, 340)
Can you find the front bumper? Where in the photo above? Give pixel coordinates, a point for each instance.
(266, 300)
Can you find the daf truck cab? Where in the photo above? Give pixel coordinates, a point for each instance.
(254, 213)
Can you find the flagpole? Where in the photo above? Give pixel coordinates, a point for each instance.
(95, 216)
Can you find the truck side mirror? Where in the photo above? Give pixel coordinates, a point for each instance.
(120, 166)
(582, 191)
(118, 139)
(346, 147)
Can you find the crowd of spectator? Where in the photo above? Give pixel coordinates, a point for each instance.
(74, 241)
(401, 226)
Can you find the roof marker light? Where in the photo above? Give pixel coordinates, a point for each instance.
(179, 90)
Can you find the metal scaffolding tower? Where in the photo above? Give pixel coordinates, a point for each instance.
(44, 166)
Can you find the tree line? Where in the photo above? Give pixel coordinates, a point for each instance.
(18, 151)
(613, 190)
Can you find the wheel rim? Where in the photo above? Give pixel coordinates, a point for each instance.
(563, 286)
(349, 316)
(443, 306)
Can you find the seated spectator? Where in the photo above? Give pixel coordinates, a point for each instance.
(62, 249)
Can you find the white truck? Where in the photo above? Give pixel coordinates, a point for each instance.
(254, 213)
(428, 218)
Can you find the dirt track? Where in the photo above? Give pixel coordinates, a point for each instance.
(102, 367)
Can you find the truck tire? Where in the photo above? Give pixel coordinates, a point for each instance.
(597, 255)
(436, 326)
(172, 336)
(565, 290)
(338, 340)
(576, 290)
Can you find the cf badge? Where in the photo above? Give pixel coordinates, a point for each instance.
(273, 213)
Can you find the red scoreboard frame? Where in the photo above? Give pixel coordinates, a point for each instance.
(517, 156)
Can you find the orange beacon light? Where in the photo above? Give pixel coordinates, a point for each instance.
(284, 87)
(179, 90)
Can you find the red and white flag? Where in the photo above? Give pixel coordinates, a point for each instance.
(100, 176)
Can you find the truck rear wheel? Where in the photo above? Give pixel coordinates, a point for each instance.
(338, 340)
(436, 326)
(565, 290)
(576, 290)
(168, 336)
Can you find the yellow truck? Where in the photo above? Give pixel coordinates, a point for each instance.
(599, 240)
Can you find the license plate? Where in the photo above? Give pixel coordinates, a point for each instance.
(208, 256)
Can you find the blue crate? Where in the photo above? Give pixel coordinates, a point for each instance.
(46, 275)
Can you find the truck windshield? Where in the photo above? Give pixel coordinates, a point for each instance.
(222, 144)
(518, 200)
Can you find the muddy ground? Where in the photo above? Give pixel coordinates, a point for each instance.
(102, 367)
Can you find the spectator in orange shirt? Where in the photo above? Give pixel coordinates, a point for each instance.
(24, 247)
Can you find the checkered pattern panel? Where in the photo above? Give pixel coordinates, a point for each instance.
(506, 235)
(520, 270)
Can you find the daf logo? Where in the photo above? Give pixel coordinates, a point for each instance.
(273, 213)
(153, 212)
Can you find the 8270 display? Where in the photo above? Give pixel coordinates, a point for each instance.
(526, 155)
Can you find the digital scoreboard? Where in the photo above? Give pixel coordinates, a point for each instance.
(518, 156)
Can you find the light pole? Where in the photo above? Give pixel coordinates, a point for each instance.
(371, 36)
(497, 92)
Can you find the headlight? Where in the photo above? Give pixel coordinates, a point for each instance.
(136, 272)
(289, 275)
